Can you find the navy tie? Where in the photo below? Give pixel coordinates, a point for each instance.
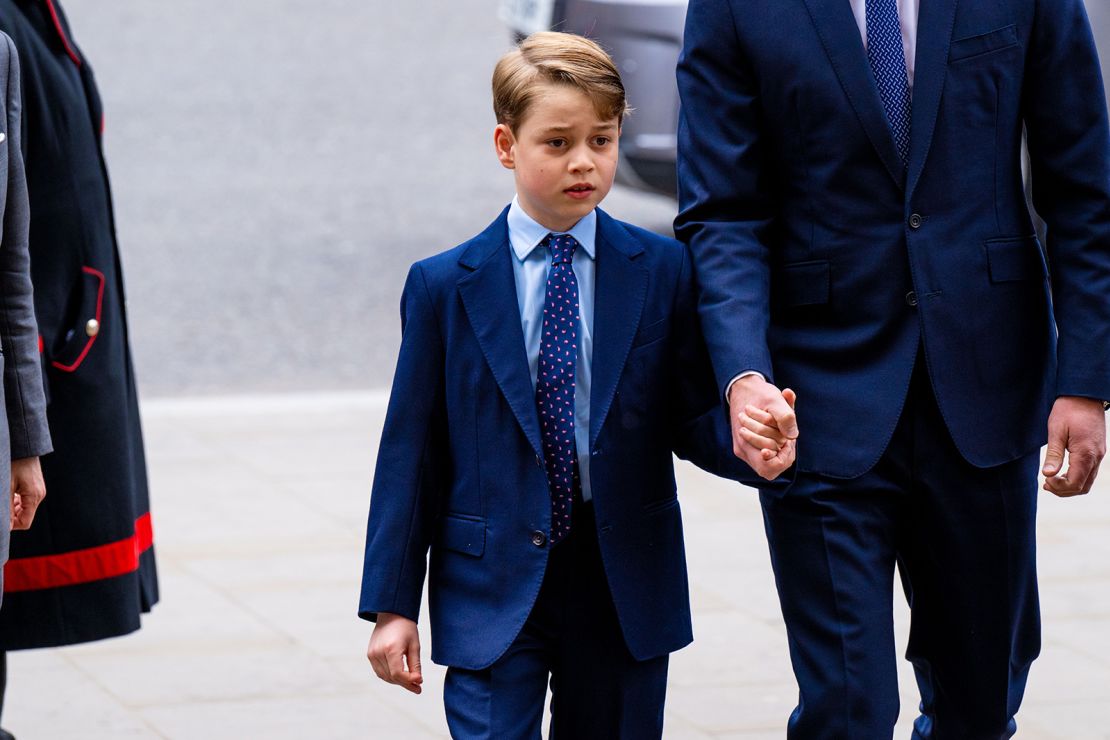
(555, 381)
(887, 55)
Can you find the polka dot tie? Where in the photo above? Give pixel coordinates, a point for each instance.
(555, 381)
(887, 55)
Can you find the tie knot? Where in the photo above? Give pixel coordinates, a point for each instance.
(562, 247)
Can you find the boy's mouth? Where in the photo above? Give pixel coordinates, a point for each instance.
(579, 190)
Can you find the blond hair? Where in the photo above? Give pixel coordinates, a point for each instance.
(551, 57)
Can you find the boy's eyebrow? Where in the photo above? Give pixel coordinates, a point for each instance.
(560, 129)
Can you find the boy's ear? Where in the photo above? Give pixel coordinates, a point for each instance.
(504, 143)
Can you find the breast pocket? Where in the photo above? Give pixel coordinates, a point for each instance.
(983, 44)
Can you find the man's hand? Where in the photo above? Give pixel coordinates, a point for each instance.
(395, 642)
(764, 427)
(1077, 425)
(28, 491)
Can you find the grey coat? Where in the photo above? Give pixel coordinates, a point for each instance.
(23, 428)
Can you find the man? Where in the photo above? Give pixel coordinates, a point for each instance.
(86, 570)
(851, 189)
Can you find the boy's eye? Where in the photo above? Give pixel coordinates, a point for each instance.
(557, 143)
(601, 140)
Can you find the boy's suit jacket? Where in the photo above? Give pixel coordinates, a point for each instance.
(460, 468)
(824, 263)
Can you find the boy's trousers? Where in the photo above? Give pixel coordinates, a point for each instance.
(572, 635)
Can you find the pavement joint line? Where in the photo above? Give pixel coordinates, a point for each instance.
(314, 402)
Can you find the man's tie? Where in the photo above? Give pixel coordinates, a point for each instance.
(555, 381)
(887, 55)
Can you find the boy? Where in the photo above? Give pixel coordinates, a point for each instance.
(548, 368)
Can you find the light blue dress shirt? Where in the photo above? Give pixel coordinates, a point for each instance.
(530, 268)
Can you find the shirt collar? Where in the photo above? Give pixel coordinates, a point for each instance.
(525, 234)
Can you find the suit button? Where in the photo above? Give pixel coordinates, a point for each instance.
(915, 221)
(92, 328)
(911, 298)
(539, 539)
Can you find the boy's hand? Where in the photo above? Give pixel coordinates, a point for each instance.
(28, 491)
(764, 427)
(395, 642)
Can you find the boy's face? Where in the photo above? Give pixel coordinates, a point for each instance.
(564, 156)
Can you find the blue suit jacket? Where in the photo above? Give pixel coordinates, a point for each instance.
(808, 235)
(460, 465)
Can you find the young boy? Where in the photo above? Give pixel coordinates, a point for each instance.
(548, 368)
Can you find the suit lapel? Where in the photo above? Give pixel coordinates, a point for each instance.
(489, 297)
(621, 287)
(934, 35)
(843, 44)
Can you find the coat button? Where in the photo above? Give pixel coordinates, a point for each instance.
(911, 298)
(3, 137)
(92, 328)
(915, 221)
(539, 539)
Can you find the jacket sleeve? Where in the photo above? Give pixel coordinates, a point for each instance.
(1069, 147)
(25, 402)
(699, 421)
(412, 465)
(725, 209)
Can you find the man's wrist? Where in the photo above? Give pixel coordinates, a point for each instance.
(741, 376)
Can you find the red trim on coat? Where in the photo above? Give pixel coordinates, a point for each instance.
(61, 32)
(99, 305)
(80, 566)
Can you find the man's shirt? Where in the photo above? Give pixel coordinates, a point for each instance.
(531, 263)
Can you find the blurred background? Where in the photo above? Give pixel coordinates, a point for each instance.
(276, 168)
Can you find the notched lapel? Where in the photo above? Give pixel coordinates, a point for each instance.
(489, 297)
(934, 36)
(621, 281)
(843, 44)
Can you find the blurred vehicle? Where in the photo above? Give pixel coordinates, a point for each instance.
(644, 37)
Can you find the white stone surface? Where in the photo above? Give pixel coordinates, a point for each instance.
(259, 510)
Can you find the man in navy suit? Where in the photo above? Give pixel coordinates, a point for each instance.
(851, 191)
(548, 368)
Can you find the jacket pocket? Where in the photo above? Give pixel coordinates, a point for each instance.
(1014, 259)
(984, 43)
(804, 283)
(650, 333)
(81, 336)
(655, 507)
(463, 534)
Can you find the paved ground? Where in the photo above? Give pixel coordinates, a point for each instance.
(259, 513)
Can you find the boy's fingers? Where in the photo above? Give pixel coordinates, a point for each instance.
(790, 397)
(757, 441)
(762, 429)
(759, 415)
(380, 668)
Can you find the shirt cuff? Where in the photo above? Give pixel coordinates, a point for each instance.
(745, 374)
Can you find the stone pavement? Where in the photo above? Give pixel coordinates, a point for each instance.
(259, 509)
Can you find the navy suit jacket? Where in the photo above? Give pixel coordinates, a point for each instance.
(460, 468)
(825, 264)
